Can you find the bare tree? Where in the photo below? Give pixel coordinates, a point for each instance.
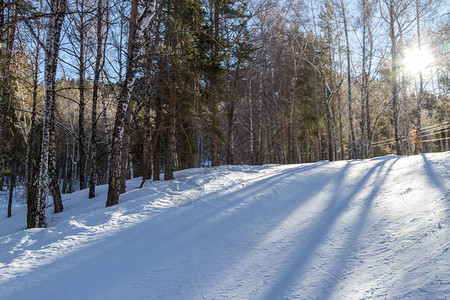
(48, 161)
(349, 83)
(393, 35)
(137, 26)
(97, 71)
(32, 152)
(82, 27)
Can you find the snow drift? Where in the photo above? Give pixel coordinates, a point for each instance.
(357, 229)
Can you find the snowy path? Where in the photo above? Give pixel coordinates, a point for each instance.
(345, 230)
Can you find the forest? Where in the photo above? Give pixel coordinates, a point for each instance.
(99, 91)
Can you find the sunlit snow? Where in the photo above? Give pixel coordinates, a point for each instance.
(361, 229)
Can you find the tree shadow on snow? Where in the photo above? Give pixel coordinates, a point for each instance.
(273, 216)
(232, 206)
(433, 177)
(222, 218)
(351, 242)
(328, 218)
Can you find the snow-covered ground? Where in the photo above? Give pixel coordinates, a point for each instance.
(357, 229)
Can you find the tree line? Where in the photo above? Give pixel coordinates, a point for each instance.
(98, 91)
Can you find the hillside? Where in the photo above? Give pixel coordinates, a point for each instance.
(356, 229)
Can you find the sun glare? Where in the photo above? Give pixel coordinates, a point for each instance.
(417, 60)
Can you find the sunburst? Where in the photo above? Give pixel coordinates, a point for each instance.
(417, 60)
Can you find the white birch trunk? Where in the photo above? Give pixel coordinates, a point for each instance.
(57, 9)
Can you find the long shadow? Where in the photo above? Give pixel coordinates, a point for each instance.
(223, 225)
(307, 248)
(386, 158)
(214, 220)
(209, 221)
(324, 290)
(305, 193)
(434, 178)
(202, 220)
(210, 218)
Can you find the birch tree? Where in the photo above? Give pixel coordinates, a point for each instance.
(47, 161)
(32, 151)
(137, 25)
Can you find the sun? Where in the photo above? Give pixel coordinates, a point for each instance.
(417, 60)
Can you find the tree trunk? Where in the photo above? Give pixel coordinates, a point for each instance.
(58, 10)
(214, 139)
(259, 144)
(12, 185)
(81, 88)
(394, 54)
(70, 175)
(318, 142)
(122, 106)
(330, 124)
(363, 83)
(173, 95)
(252, 128)
(277, 132)
(97, 70)
(292, 135)
(215, 90)
(125, 147)
(146, 152)
(115, 162)
(170, 151)
(338, 75)
(329, 128)
(157, 136)
(52, 169)
(107, 138)
(420, 94)
(367, 91)
(349, 82)
(229, 145)
(33, 149)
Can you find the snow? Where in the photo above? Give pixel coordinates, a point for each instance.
(361, 229)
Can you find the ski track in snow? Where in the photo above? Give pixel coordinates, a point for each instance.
(361, 229)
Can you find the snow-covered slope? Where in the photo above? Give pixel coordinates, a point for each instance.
(367, 229)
